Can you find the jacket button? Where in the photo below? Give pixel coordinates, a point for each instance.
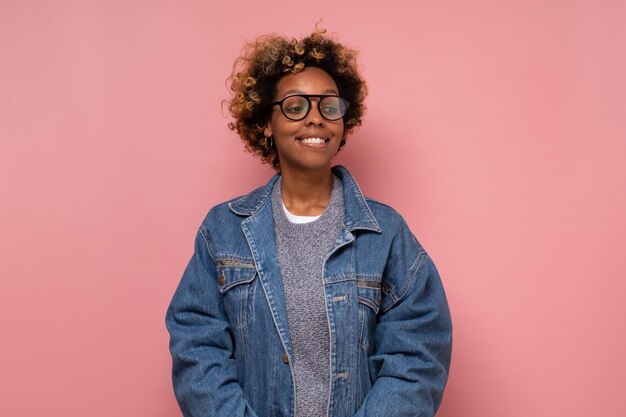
(222, 279)
(285, 358)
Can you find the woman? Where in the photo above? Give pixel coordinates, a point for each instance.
(304, 298)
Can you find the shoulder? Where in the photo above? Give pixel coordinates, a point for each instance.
(385, 214)
(236, 209)
(392, 223)
(221, 213)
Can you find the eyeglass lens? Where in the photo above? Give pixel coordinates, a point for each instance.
(297, 107)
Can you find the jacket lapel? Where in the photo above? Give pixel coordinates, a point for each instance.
(259, 231)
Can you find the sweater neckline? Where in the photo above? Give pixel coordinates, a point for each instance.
(332, 213)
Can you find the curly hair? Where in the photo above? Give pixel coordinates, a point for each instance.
(265, 61)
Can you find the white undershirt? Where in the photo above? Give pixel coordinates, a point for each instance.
(294, 218)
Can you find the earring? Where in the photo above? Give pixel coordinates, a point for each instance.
(271, 144)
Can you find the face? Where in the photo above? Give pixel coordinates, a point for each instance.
(311, 143)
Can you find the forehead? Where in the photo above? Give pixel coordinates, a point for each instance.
(311, 80)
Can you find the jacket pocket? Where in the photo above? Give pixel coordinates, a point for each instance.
(369, 294)
(237, 284)
(369, 305)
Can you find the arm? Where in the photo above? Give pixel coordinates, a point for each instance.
(204, 369)
(413, 337)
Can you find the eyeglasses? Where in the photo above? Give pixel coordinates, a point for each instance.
(297, 107)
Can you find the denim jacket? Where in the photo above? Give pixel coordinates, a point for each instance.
(389, 321)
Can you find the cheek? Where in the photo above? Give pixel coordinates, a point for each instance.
(283, 127)
(340, 129)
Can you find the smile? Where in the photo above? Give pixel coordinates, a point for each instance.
(313, 141)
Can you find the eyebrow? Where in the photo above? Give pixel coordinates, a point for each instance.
(327, 91)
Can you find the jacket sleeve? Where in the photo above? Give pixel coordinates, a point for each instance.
(413, 337)
(204, 370)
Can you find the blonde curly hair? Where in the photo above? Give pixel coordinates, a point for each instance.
(264, 61)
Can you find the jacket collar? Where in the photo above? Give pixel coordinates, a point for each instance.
(357, 213)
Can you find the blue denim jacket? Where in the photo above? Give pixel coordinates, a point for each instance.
(389, 321)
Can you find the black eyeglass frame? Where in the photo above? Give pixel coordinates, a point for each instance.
(308, 97)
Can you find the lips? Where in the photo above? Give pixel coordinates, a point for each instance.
(313, 140)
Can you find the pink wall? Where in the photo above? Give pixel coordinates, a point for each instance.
(496, 128)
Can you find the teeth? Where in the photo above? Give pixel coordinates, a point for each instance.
(313, 140)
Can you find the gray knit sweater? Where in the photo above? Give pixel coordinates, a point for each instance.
(302, 250)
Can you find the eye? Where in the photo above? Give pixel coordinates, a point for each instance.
(332, 107)
(294, 109)
(330, 110)
(295, 105)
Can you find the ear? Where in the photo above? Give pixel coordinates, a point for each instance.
(267, 132)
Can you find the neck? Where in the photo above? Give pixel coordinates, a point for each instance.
(306, 193)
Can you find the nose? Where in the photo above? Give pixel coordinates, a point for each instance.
(314, 118)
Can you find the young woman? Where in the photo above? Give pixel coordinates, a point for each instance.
(304, 298)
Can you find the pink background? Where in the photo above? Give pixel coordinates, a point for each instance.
(495, 127)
